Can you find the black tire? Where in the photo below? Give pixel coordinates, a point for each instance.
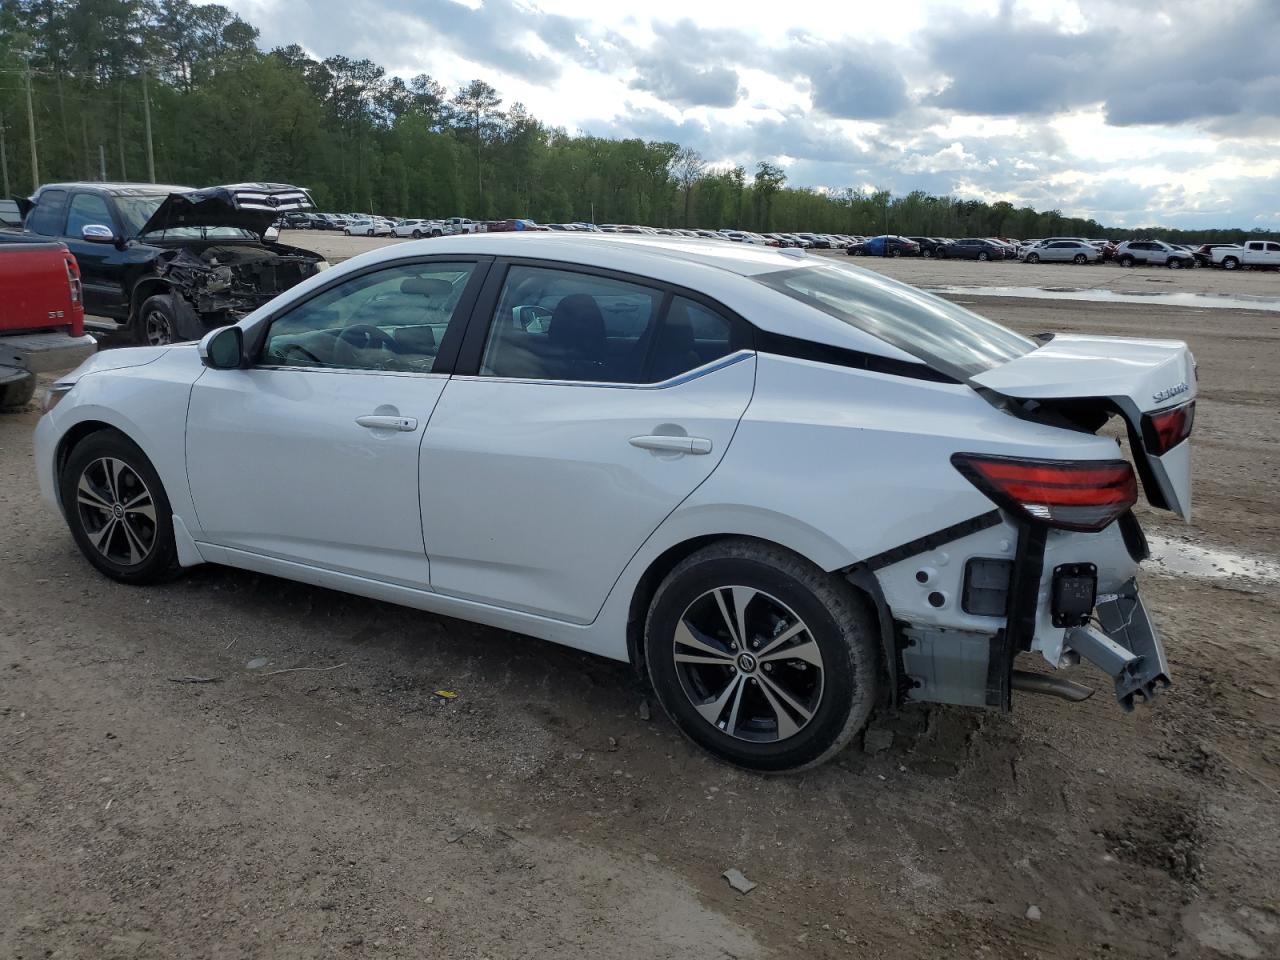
(1174, 263)
(368, 233)
(895, 252)
(1080, 259)
(1230, 263)
(114, 552)
(417, 234)
(1125, 261)
(926, 253)
(157, 322)
(983, 255)
(840, 630)
(1033, 258)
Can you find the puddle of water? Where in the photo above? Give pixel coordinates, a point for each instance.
(1172, 558)
(1213, 301)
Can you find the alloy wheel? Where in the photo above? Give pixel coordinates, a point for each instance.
(159, 329)
(748, 664)
(117, 511)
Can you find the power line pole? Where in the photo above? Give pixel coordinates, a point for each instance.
(102, 163)
(146, 117)
(4, 156)
(31, 129)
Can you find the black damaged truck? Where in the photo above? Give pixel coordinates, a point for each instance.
(170, 263)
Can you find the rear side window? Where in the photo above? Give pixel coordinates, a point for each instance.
(561, 325)
(947, 337)
(553, 324)
(49, 214)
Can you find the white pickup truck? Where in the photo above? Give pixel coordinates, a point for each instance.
(1254, 253)
(456, 225)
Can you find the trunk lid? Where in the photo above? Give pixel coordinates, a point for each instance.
(1131, 377)
(250, 206)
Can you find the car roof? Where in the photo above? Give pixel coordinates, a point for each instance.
(717, 269)
(119, 189)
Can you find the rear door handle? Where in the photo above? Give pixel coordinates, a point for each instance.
(673, 444)
(375, 422)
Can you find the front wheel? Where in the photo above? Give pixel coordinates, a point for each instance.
(417, 234)
(895, 252)
(1126, 261)
(1230, 263)
(1033, 258)
(926, 253)
(760, 657)
(1174, 263)
(157, 322)
(983, 255)
(117, 509)
(1080, 259)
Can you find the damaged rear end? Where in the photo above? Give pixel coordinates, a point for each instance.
(1054, 565)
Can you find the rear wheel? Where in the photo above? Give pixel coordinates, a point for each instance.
(760, 657)
(117, 509)
(1230, 263)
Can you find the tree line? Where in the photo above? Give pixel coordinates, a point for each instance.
(222, 110)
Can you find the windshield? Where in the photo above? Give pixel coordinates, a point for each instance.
(950, 339)
(136, 211)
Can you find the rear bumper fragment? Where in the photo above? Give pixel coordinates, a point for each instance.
(1128, 648)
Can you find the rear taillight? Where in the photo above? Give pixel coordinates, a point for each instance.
(73, 280)
(1072, 494)
(1163, 431)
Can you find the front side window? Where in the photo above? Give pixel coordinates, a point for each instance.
(86, 209)
(390, 320)
(49, 214)
(947, 337)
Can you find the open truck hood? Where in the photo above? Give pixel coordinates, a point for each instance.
(1131, 377)
(250, 206)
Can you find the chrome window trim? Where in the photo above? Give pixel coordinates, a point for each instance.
(355, 370)
(710, 366)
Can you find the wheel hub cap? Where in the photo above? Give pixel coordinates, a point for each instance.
(116, 511)
(748, 664)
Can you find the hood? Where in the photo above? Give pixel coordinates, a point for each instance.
(249, 206)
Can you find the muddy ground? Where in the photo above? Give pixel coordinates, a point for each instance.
(346, 809)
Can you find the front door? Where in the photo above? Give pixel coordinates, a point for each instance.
(99, 262)
(311, 454)
(596, 406)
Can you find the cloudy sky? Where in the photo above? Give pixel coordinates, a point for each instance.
(1155, 111)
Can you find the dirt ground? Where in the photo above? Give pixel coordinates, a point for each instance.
(345, 808)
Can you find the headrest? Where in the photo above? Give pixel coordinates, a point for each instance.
(426, 286)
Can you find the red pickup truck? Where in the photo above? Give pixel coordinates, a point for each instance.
(41, 314)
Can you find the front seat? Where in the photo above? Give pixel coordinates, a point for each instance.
(577, 340)
(674, 350)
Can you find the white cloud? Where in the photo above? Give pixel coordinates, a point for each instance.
(1019, 102)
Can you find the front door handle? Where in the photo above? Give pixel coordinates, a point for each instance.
(672, 444)
(377, 422)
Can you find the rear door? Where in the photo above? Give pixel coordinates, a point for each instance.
(311, 454)
(586, 407)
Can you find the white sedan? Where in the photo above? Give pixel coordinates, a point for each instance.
(785, 488)
(367, 228)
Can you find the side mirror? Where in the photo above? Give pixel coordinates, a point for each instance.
(223, 349)
(271, 233)
(97, 233)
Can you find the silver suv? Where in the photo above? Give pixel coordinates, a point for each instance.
(1133, 253)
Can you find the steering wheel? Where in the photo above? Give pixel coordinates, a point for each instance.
(290, 349)
(363, 336)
